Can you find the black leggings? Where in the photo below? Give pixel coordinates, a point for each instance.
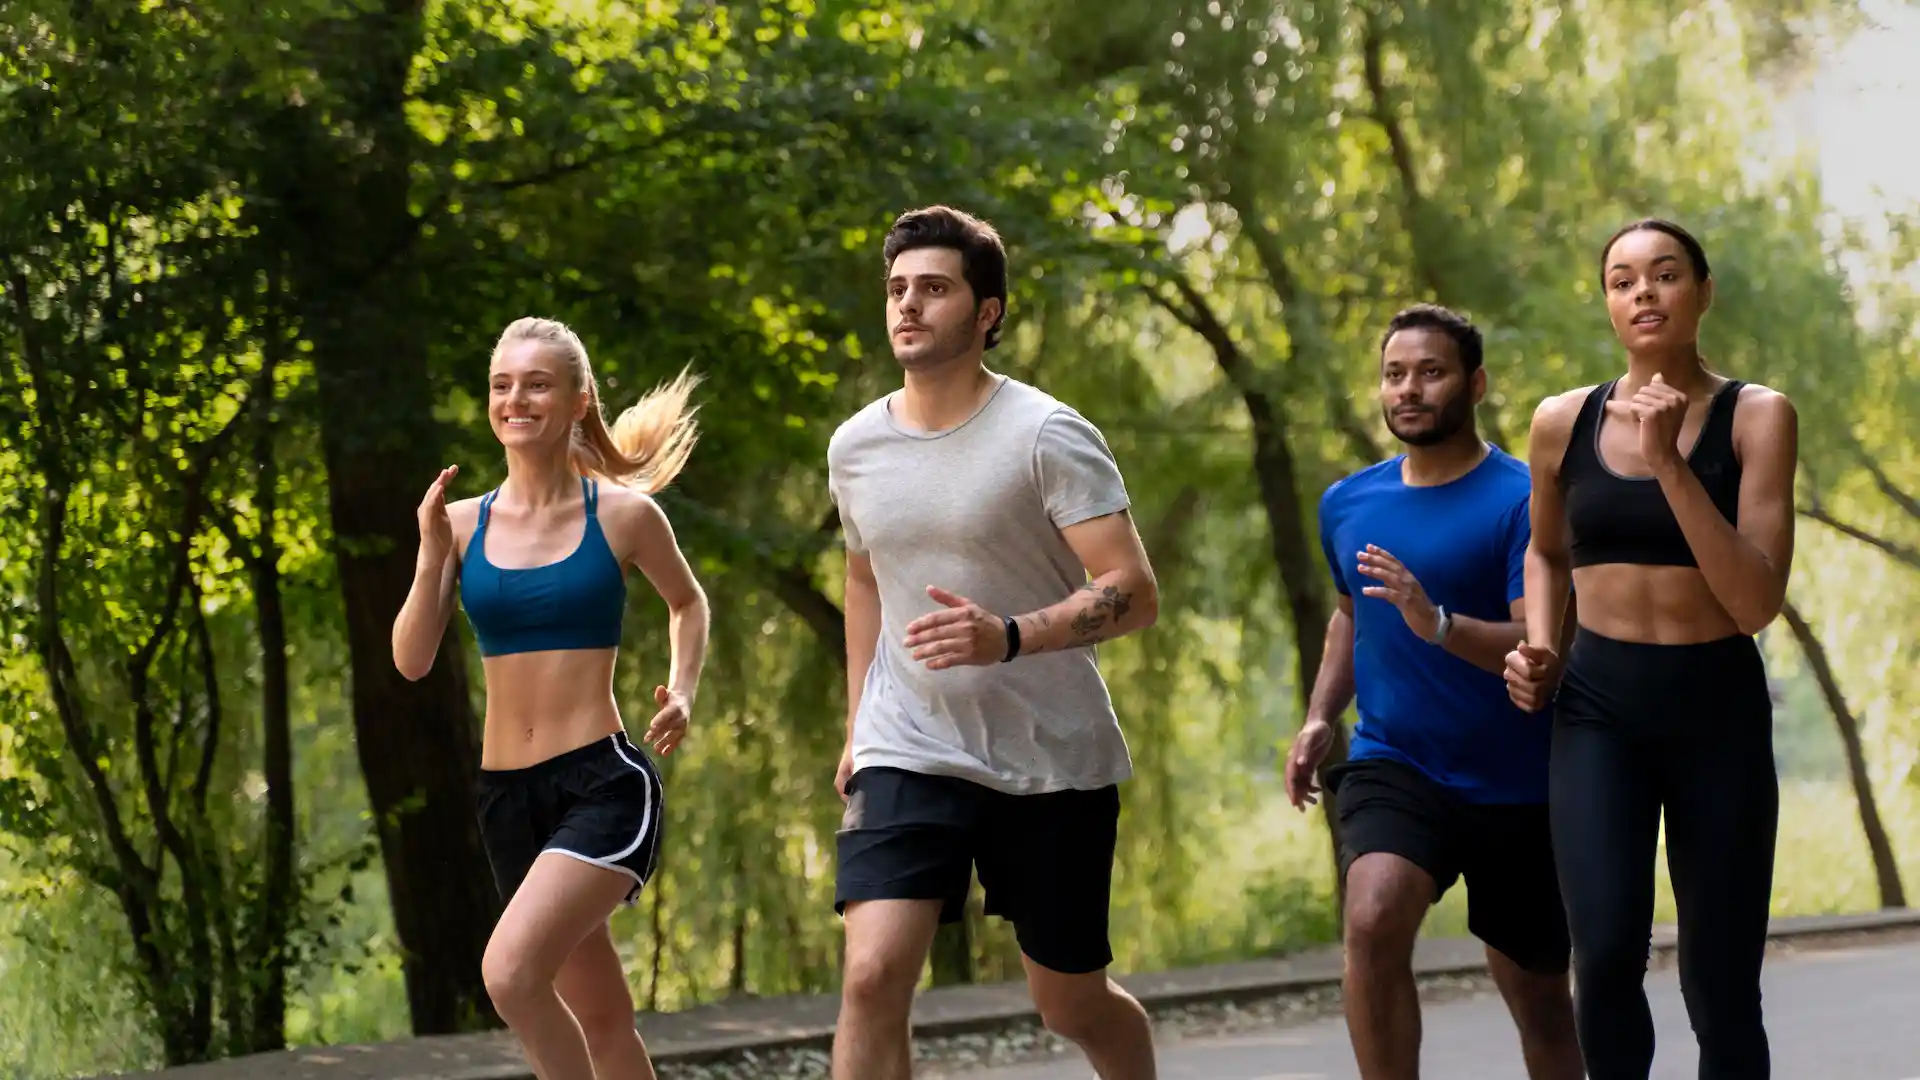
(1687, 728)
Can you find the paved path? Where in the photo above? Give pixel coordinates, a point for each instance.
(808, 1020)
(1843, 1014)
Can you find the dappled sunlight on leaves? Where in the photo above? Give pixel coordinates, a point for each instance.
(1212, 210)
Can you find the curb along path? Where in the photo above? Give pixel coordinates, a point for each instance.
(764, 1024)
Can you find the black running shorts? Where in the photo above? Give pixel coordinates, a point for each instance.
(1045, 861)
(1504, 852)
(600, 803)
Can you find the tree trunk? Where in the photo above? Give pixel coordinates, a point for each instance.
(235, 1008)
(1885, 869)
(278, 899)
(354, 284)
(795, 587)
(737, 976)
(268, 952)
(1293, 555)
(659, 961)
(418, 741)
(1293, 549)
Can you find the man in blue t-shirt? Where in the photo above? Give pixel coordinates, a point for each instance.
(1446, 778)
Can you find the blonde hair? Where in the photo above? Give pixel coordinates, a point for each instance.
(648, 444)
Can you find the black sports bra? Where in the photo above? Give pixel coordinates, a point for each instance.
(1626, 519)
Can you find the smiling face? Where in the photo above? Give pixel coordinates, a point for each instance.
(534, 398)
(1655, 293)
(1426, 392)
(932, 315)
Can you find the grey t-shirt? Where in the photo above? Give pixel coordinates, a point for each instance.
(977, 510)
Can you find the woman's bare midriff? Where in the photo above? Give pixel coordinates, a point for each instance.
(543, 704)
(1653, 605)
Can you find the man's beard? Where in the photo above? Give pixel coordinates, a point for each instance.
(1448, 421)
(941, 347)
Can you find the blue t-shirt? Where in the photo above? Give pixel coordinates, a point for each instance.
(1466, 543)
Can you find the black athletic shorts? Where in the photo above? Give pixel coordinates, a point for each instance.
(1505, 852)
(600, 803)
(1045, 861)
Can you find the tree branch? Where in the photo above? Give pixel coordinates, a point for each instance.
(1201, 320)
(555, 170)
(193, 876)
(1274, 470)
(1197, 315)
(1885, 483)
(1185, 316)
(1277, 475)
(233, 1006)
(1360, 441)
(1885, 867)
(786, 574)
(191, 513)
(797, 589)
(137, 883)
(182, 702)
(265, 947)
(1400, 151)
(210, 687)
(1900, 552)
(197, 1030)
(1273, 260)
(1302, 330)
(1163, 538)
(829, 521)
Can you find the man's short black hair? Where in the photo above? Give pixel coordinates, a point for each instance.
(1466, 336)
(983, 259)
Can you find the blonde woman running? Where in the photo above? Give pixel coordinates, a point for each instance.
(569, 808)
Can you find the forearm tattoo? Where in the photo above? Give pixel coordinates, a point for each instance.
(1100, 619)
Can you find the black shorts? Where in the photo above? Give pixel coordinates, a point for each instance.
(600, 803)
(1045, 861)
(1504, 852)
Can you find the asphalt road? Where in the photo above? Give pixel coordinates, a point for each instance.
(1843, 1014)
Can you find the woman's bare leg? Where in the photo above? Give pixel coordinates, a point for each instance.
(560, 903)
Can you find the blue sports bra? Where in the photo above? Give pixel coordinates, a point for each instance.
(576, 603)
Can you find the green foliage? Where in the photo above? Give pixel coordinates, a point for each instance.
(60, 1017)
(706, 185)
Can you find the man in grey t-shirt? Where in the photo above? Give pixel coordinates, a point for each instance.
(989, 548)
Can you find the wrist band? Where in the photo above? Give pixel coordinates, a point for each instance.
(1013, 639)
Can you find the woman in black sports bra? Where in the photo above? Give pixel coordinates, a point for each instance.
(1665, 499)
